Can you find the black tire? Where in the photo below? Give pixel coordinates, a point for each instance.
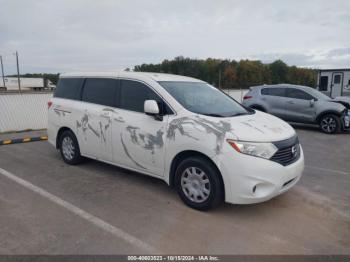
(76, 157)
(330, 124)
(216, 193)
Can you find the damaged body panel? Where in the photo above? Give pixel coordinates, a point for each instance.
(143, 142)
(93, 127)
(149, 122)
(344, 110)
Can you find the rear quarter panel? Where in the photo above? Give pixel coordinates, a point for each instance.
(61, 114)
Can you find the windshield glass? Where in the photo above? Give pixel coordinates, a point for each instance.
(202, 98)
(317, 94)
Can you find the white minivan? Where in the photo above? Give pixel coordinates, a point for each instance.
(176, 128)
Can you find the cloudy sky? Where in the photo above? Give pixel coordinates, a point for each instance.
(77, 35)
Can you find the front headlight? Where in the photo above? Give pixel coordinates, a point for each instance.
(264, 150)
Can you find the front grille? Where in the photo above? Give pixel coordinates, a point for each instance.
(288, 151)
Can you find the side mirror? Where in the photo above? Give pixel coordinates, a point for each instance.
(151, 108)
(312, 102)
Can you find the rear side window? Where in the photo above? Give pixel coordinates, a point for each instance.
(133, 95)
(298, 94)
(276, 91)
(100, 91)
(69, 88)
(265, 91)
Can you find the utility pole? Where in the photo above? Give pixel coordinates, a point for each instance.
(220, 79)
(19, 80)
(2, 72)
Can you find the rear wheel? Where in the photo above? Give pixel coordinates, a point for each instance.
(330, 124)
(69, 148)
(198, 183)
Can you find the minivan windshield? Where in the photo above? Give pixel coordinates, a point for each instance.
(202, 98)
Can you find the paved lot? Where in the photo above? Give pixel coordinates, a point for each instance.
(95, 208)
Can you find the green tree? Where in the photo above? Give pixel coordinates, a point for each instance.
(279, 72)
(232, 74)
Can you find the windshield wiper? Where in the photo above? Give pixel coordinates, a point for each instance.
(214, 115)
(239, 114)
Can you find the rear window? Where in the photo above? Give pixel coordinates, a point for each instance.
(101, 91)
(275, 91)
(69, 88)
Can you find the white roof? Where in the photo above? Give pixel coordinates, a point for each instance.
(133, 75)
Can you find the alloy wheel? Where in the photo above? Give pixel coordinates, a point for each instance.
(328, 124)
(68, 148)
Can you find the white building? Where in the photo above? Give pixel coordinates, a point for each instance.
(334, 82)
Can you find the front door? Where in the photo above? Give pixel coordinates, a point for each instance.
(298, 106)
(141, 141)
(337, 84)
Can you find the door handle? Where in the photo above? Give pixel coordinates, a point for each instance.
(108, 110)
(290, 102)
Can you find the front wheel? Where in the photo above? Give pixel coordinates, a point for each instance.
(198, 183)
(330, 124)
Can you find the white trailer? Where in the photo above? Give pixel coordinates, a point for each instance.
(11, 84)
(334, 82)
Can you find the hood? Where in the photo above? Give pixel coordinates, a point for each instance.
(260, 127)
(257, 127)
(345, 101)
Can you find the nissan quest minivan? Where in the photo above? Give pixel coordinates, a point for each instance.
(179, 129)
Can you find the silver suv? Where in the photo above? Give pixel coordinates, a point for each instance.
(301, 104)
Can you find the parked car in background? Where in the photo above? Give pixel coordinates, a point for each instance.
(301, 104)
(179, 129)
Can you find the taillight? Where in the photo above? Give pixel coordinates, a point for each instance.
(49, 104)
(247, 97)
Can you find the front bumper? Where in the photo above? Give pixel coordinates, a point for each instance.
(251, 179)
(346, 120)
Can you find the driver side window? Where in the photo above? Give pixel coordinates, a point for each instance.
(133, 95)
